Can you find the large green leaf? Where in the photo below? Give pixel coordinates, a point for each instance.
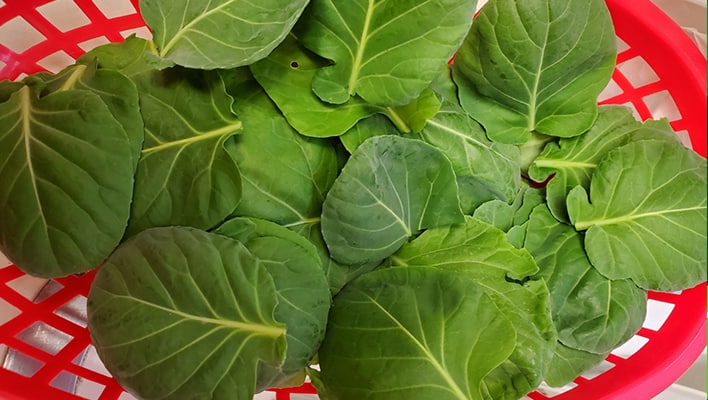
(479, 251)
(495, 167)
(646, 215)
(390, 189)
(413, 333)
(130, 57)
(375, 125)
(568, 363)
(387, 52)
(572, 161)
(302, 288)
(536, 65)
(196, 304)
(219, 33)
(185, 175)
(590, 312)
(66, 167)
(285, 176)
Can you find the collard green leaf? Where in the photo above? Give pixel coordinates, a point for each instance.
(386, 52)
(493, 167)
(646, 215)
(536, 65)
(419, 332)
(185, 176)
(116, 90)
(573, 160)
(287, 74)
(285, 176)
(390, 189)
(195, 303)
(130, 57)
(67, 176)
(590, 312)
(480, 252)
(568, 363)
(221, 33)
(7, 88)
(375, 125)
(302, 290)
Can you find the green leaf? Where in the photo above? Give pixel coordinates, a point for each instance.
(573, 160)
(287, 74)
(302, 289)
(195, 303)
(221, 33)
(117, 91)
(536, 65)
(285, 176)
(65, 197)
(402, 333)
(590, 312)
(646, 215)
(481, 252)
(568, 363)
(492, 168)
(375, 125)
(390, 189)
(385, 52)
(130, 57)
(185, 176)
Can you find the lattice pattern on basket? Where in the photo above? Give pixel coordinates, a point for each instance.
(73, 26)
(67, 362)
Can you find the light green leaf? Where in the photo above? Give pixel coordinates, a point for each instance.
(302, 289)
(590, 312)
(195, 303)
(66, 192)
(536, 65)
(440, 333)
(185, 176)
(390, 189)
(490, 168)
(573, 160)
(386, 52)
(375, 125)
(480, 252)
(130, 57)
(285, 176)
(221, 33)
(568, 363)
(646, 215)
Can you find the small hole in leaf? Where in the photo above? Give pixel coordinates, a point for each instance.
(294, 64)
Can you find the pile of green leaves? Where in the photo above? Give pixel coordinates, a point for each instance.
(269, 187)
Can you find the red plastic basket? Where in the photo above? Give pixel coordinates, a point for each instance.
(660, 73)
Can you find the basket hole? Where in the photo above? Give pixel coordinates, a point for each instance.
(551, 392)
(21, 363)
(598, 370)
(611, 90)
(622, 45)
(7, 313)
(27, 286)
(90, 360)
(51, 288)
(142, 32)
(115, 8)
(685, 138)
(657, 313)
(93, 43)
(633, 109)
(662, 105)
(55, 62)
(64, 381)
(88, 389)
(19, 35)
(630, 347)
(4, 262)
(126, 396)
(65, 15)
(74, 310)
(44, 337)
(638, 72)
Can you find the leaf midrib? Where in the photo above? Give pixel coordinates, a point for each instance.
(582, 225)
(224, 130)
(26, 132)
(178, 36)
(260, 329)
(364, 38)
